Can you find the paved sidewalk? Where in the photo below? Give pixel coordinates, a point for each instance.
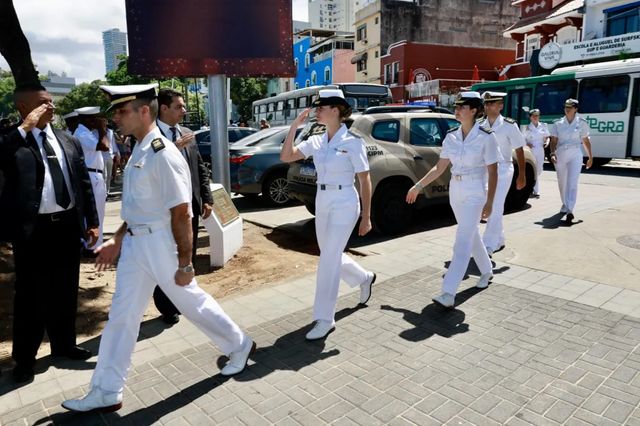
(503, 356)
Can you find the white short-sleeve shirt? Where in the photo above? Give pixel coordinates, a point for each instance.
(89, 141)
(536, 135)
(155, 180)
(508, 134)
(471, 155)
(336, 160)
(570, 134)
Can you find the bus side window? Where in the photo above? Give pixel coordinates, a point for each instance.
(302, 102)
(604, 94)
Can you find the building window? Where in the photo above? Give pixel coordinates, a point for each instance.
(327, 74)
(387, 74)
(361, 65)
(307, 60)
(377, 20)
(314, 78)
(623, 20)
(377, 53)
(361, 33)
(395, 72)
(531, 43)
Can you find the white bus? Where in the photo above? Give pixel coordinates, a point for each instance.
(609, 96)
(282, 109)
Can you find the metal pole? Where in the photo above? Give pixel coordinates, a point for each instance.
(218, 130)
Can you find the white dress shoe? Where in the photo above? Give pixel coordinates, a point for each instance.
(320, 330)
(483, 282)
(96, 400)
(238, 359)
(365, 289)
(445, 299)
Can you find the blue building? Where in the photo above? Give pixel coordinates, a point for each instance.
(323, 57)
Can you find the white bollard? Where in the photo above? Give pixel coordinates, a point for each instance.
(224, 226)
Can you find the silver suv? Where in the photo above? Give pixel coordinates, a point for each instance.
(401, 147)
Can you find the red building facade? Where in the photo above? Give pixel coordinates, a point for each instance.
(448, 67)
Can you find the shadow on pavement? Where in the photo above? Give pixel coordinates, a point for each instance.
(552, 222)
(435, 319)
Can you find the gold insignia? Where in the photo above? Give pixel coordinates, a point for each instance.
(157, 145)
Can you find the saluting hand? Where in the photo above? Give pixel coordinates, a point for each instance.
(107, 253)
(31, 120)
(300, 119)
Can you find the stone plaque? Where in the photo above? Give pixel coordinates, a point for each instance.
(223, 207)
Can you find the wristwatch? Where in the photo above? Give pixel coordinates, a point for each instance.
(188, 269)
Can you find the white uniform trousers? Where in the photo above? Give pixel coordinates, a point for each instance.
(337, 212)
(538, 153)
(467, 198)
(108, 170)
(147, 260)
(568, 167)
(493, 236)
(100, 195)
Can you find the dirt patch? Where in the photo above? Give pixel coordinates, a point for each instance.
(267, 256)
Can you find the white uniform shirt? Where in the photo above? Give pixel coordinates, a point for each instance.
(89, 141)
(471, 156)
(154, 182)
(48, 199)
(338, 160)
(536, 135)
(569, 134)
(508, 134)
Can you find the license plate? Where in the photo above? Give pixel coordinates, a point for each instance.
(308, 171)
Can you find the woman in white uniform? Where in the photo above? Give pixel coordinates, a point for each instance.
(537, 137)
(472, 152)
(338, 156)
(567, 137)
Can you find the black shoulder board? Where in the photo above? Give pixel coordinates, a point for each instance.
(157, 145)
(453, 129)
(509, 120)
(484, 129)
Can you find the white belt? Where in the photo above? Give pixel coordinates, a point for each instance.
(567, 146)
(475, 176)
(325, 186)
(144, 229)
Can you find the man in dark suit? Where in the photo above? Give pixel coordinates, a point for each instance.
(171, 112)
(46, 208)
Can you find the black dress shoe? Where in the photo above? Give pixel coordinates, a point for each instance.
(570, 217)
(76, 353)
(171, 319)
(22, 373)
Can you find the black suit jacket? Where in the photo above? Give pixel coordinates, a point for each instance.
(199, 172)
(23, 168)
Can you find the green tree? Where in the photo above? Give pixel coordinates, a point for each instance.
(85, 94)
(246, 90)
(7, 86)
(121, 76)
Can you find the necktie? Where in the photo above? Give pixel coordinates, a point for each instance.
(63, 199)
(174, 133)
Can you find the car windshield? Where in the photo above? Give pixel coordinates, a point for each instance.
(266, 136)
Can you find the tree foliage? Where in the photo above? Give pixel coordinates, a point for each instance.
(244, 91)
(82, 95)
(7, 86)
(120, 76)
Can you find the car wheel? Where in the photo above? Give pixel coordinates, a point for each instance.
(516, 200)
(391, 214)
(275, 189)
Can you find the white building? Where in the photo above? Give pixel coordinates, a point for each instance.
(115, 44)
(608, 18)
(58, 85)
(337, 15)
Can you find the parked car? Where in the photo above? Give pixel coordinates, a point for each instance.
(401, 148)
(203, 139)
(255, 166)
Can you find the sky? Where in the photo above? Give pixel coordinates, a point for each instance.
(66, 35)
